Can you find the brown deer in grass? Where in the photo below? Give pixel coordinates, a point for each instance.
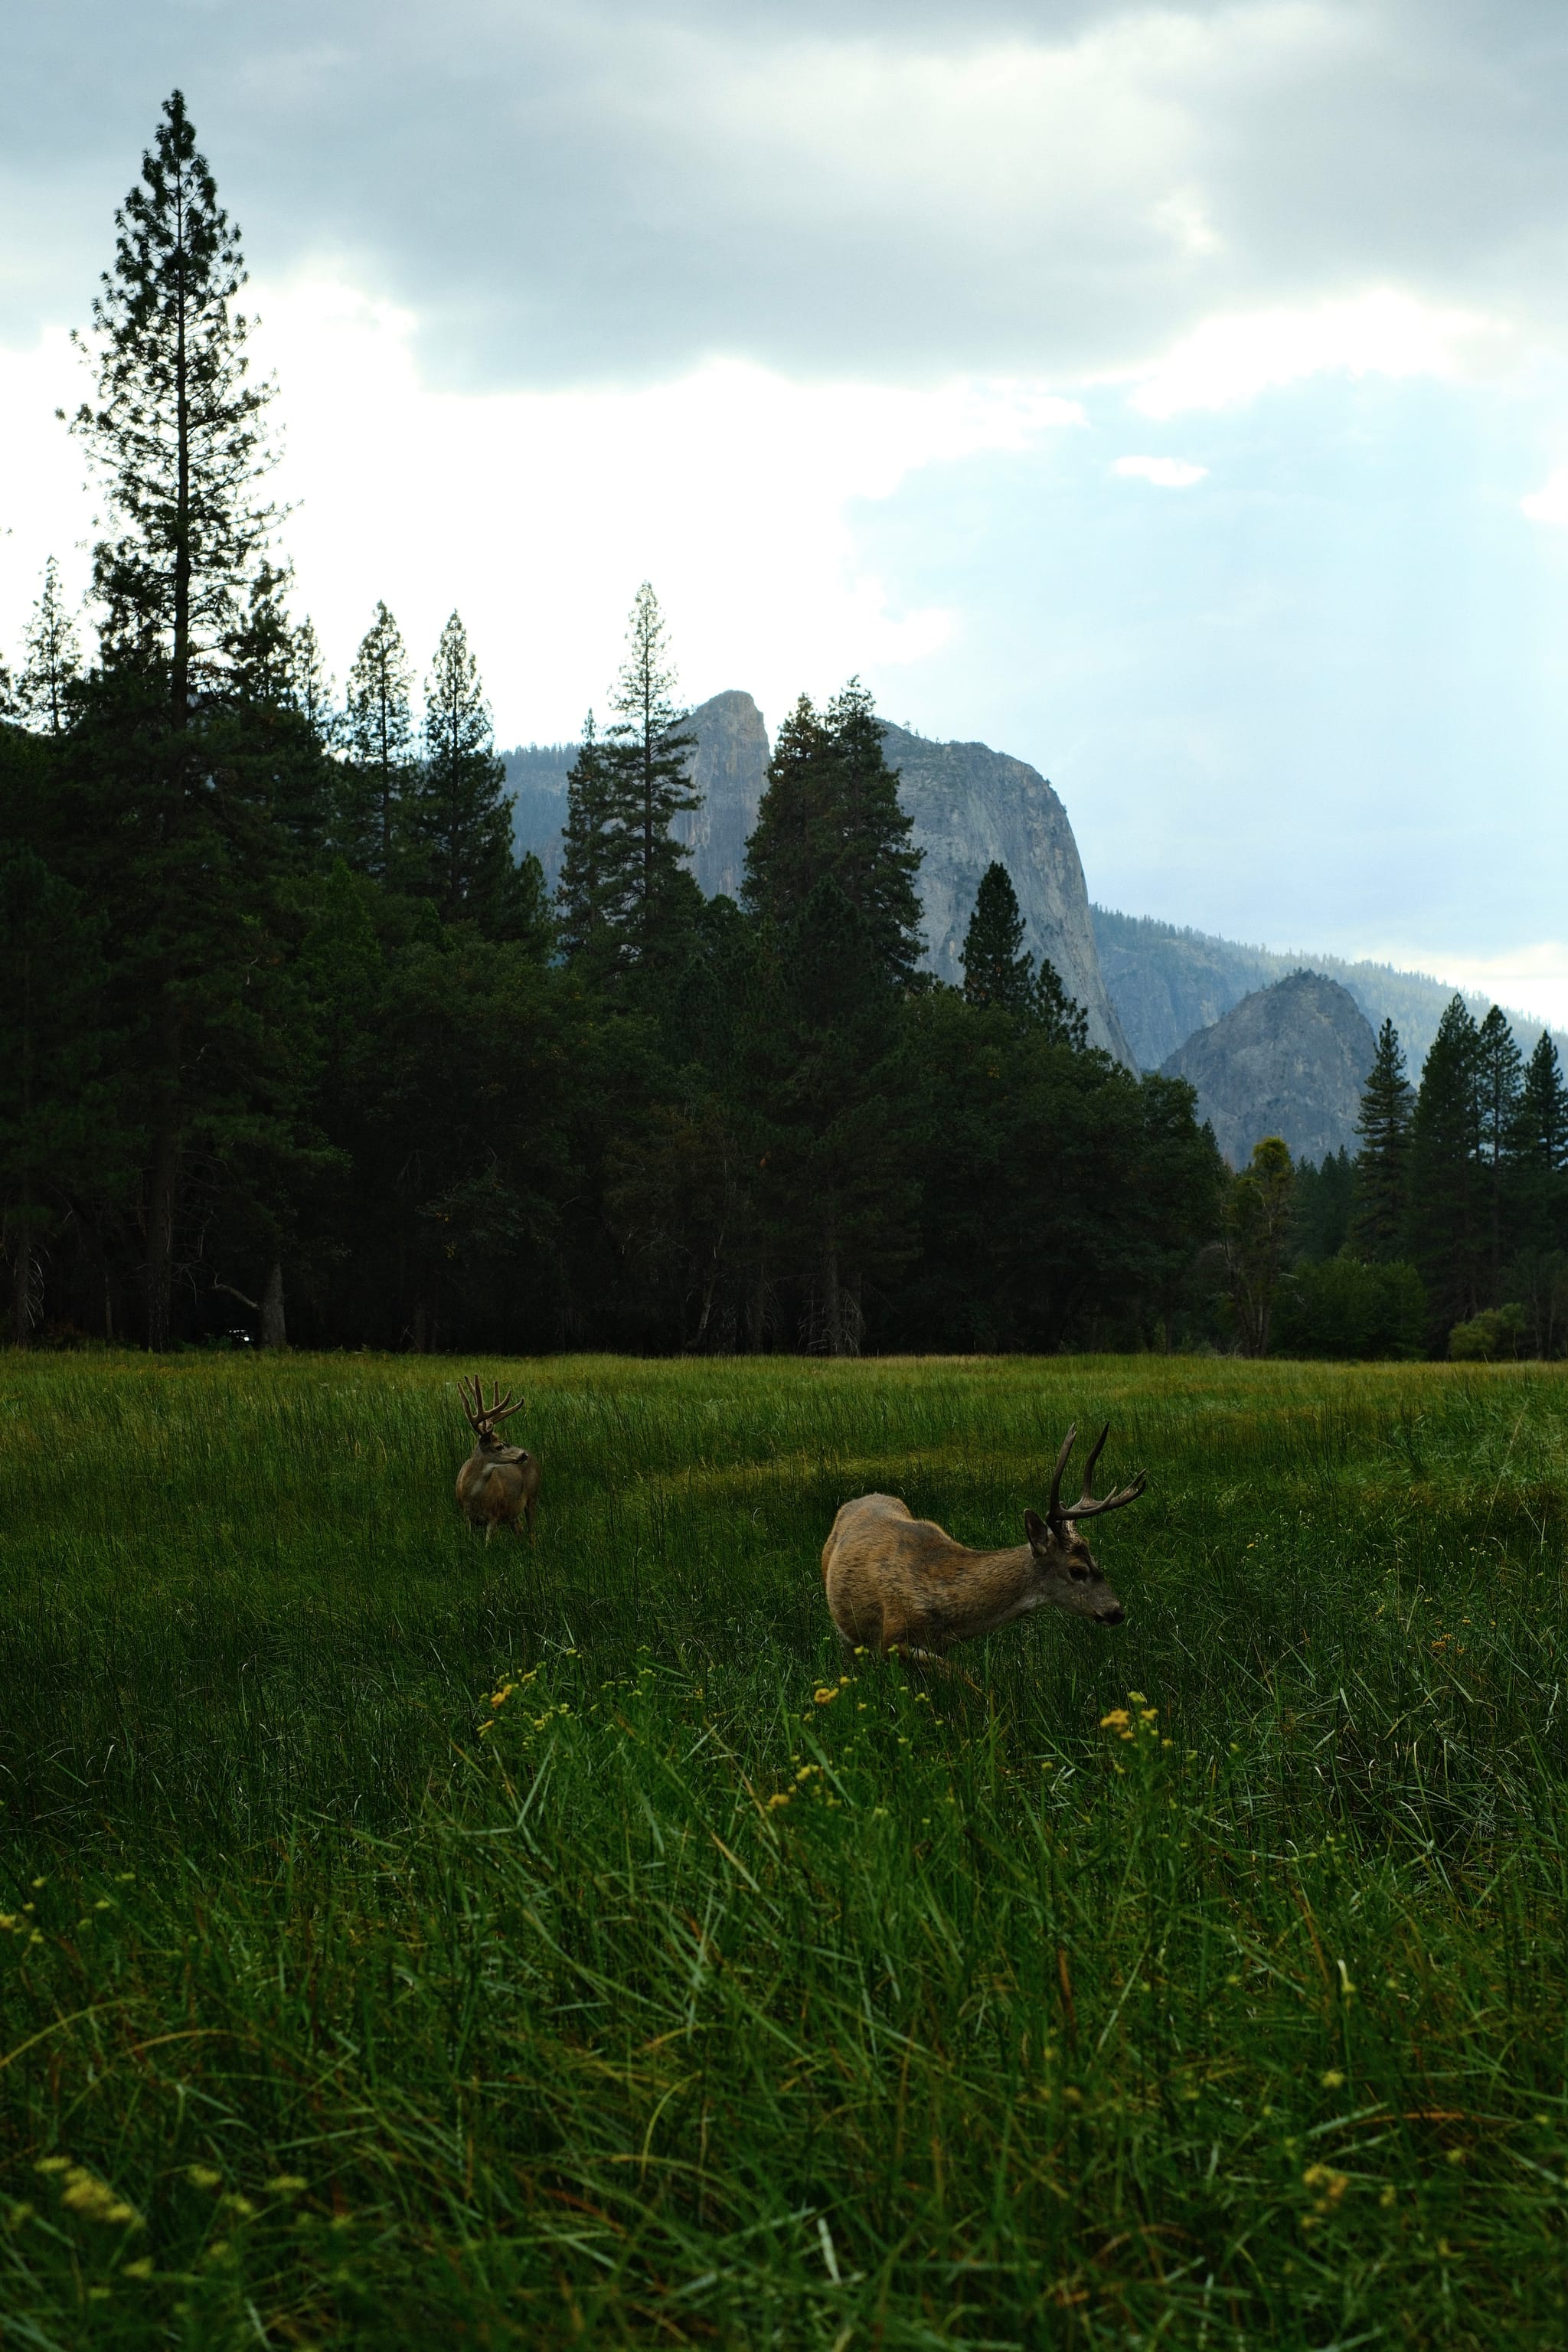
(498, 1483)
(902, 1585)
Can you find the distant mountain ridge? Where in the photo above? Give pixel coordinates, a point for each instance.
(1166, 983)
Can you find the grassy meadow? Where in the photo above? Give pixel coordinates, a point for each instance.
(406, 1940)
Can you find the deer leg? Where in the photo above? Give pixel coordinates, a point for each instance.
(931, 1662)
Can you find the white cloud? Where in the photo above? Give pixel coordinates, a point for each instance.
(1229, 360)
(1167, 473)
(537, 513)
(1549, 504)
(1531, 979)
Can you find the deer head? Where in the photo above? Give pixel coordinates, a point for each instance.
(1069, 1575)
(482, 1418)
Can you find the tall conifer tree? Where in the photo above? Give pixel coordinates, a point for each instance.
(1449, 1218)
(1380, 1218)
(177, 428)
(1500, 1069)
(647, 751)
(51, 660)
(460, 814)
(587, 896)
(997, 972)
(171, 824)
(378, 745)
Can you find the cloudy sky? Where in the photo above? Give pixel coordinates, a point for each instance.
(1176, 398)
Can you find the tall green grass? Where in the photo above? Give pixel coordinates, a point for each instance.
(413, 1940)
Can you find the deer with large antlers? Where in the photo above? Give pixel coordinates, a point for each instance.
(901, 1585)
(498, 1484)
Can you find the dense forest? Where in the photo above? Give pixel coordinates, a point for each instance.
(294, 1045)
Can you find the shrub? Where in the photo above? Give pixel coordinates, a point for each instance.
(1345, 1308)
(1499, 1332)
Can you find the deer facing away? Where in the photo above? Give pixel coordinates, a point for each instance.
(498, 1484)
(896, 1583)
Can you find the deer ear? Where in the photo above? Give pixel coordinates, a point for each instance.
(1035, 1529)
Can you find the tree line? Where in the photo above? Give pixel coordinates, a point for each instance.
(293, 1038)
(292, 1035)
(1446, 1233)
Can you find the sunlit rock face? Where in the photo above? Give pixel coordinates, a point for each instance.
(968, 805)
(1289, 1060)
(729, 768)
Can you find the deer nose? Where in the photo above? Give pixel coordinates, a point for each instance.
(1114, 1616)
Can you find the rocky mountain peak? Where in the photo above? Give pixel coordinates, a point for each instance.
(1287, 1060)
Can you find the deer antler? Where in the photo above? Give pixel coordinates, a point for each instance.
(476, 1413)
(1087, 1508)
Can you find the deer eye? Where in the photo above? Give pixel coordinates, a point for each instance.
(1078, 1570)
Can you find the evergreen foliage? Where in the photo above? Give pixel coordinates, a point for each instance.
(175, 430)
(458, 815)
(52, 660)
(285, 1024)
(1379, 1216)
(1448, 1202)
(996, 969)
(830, 814)
(377, 737)
(1258, 1222)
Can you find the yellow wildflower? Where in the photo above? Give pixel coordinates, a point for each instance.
(825, 1694)
(92, 2197)
(287, 2184)
(1329, 2184)
(1332, 2080)
(202, 2176)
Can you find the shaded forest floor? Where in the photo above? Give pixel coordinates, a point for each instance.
(410, 1940)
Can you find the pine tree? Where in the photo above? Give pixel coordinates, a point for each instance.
(175, 430)
(830, 813)
(1379, 1220)
(1062, 1018)
(260, 646)
(313, 689)
(261, 731)
(378, 743)
(1500, 1068)
(1539, 1150)
(459, 817)
(1541, 1123)
(52, 660)
(586, 897)
(169, 778)
(653, 900)
(1448, 1219)
(875, 865)
(1258, 1222)
(996, 969)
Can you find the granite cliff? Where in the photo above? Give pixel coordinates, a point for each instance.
(967, 805)
(1287, 1060)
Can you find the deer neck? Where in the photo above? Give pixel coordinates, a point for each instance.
(997, 1587)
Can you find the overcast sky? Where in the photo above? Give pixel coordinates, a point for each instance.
(1177, 397)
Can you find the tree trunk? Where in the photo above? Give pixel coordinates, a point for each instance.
(274, 1332)
(160, 1236)
(165, 1181)
(22, 1294)
(832, 1300)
